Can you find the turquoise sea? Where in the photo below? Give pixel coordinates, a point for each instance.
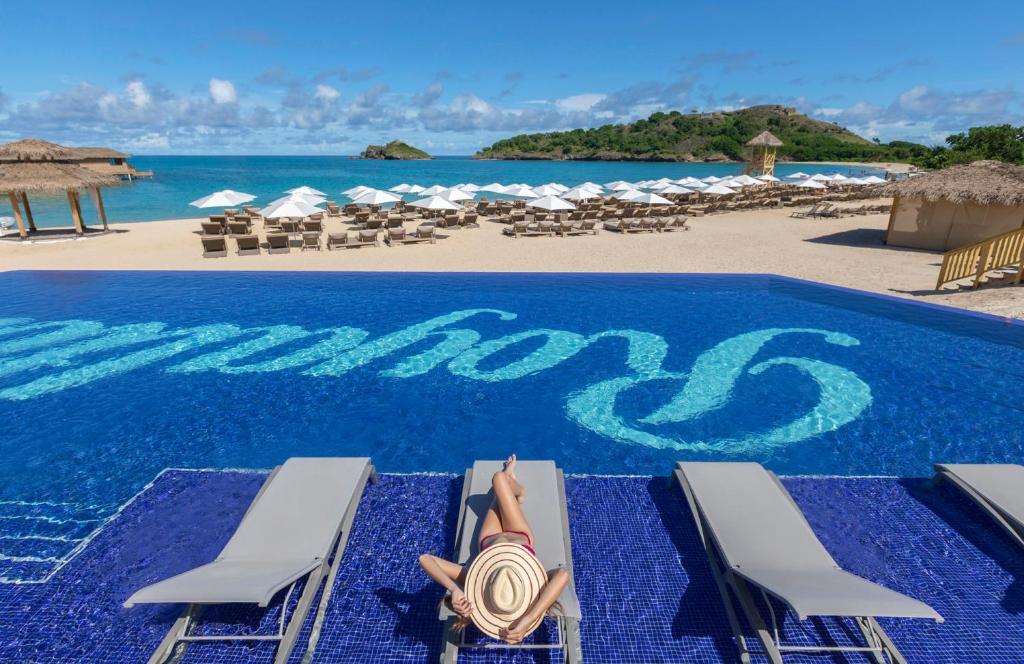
(178, 180)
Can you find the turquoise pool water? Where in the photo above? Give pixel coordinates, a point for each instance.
(107, 378)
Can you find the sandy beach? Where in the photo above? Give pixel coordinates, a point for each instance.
(845, 252)
(891, 166)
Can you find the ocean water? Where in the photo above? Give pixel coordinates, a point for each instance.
(179, 180)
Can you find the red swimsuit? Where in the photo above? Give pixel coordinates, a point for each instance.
(487, 541)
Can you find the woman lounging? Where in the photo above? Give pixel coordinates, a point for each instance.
(505, 590)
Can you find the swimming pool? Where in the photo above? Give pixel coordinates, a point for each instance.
(106, 378)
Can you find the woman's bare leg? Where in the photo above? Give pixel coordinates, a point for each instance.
(507, 494)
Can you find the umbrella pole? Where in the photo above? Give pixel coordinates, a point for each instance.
(28, 211)
(97, 199)
(17, 214)
(75, 213)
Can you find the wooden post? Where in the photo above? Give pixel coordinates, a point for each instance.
(98, 199)
(17, 214)
(28, 211)
(892, 218)
(75, 213)
(78, 206)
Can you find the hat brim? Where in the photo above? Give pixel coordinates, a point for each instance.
(531, 571)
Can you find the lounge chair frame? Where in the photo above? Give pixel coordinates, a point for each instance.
(879, 645)
(286, 636)
(1015, 533)
(569, 641)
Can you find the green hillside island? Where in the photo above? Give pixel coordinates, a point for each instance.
(393, 150)
(718, 136)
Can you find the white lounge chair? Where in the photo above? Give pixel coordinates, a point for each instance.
(998, 488)
(545, 510)
(297, 526)
(754, 534)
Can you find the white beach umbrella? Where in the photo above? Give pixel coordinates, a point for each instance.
(434, 203)
(592, 186)
(616, 184)
(415, 189)
(676, 189)
(289, 207)
(357, 191)
(521, 191)
(310, 191)
(818, 177)
(470, 187)
(580, 194)
(621, 186)
(308, 199)
(718, 190)
(661, 185)
(730, 182)
(873, 179)
(455, 194)
(433, 191)
(746, 180)
(494, 187)
(551, 203)
(838, 177)
(798, 176)
(629, 194)
(856, 182)
(688, 181)
(376, 197)
(400, 188)
(548, 190)
(222, 199)
(810, 183)
(711, 179)
(768, 178)
(651, 199)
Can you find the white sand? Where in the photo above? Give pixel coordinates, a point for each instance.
(845, 252)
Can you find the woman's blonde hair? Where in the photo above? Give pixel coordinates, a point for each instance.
(462, 622)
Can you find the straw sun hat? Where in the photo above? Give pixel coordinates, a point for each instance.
(502, 583)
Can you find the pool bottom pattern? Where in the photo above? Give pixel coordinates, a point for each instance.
(646, 591)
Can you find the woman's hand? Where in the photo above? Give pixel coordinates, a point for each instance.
(461, 603)
(515, 632)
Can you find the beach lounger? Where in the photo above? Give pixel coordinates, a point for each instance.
(238, 228)
(212, 228)
(997, 488)
(755, 535)
(295, 528)
(311, 240)
(278, 243)
(545, 510)
(214, 246)
(248, 245)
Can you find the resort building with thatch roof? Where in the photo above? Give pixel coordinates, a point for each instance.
(35, 166)
(761, 154)
(107, 161)
(956, 206)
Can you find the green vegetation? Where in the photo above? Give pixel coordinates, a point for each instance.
(999, 142)
(705, 137)
(393, 150)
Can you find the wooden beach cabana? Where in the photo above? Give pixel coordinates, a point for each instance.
(35, 166)
(761, 151)
(956, 206)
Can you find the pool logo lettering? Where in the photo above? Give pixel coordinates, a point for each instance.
(61, 355)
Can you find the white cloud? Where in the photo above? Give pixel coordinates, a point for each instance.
(138, 94)
(326, 92)
(222, 91)
(147, 142)
(581, 102)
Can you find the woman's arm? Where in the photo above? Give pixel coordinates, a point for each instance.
(448, 574)
(557, 580)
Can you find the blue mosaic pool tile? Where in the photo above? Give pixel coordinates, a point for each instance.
(644, 585)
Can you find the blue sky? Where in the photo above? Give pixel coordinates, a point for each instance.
(307, 78)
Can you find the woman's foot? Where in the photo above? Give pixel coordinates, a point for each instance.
(510, 470)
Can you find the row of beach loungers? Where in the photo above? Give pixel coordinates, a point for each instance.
(828, 209)
(754, 534)
(216, 246)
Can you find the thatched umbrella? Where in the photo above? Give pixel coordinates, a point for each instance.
(764, 138)
(34, 149)
(17, 178)
(981, 182)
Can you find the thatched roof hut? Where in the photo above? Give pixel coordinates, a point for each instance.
(50, 177)
(34, 149)
(764, 138)
(81, 154)
(982, 182)
(956, 206)
(44, 174)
